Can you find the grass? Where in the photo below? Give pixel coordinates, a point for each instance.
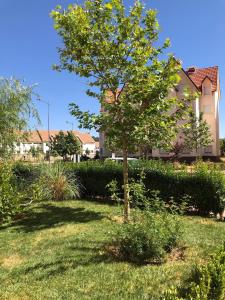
(57, 252)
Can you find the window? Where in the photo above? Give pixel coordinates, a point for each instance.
(208, 150)
(207, 109)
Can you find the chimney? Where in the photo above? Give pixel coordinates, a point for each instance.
(191, 70)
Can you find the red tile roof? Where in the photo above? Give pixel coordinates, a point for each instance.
(39, 136)
(198, 75)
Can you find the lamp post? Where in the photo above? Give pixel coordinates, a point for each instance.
(48, 105)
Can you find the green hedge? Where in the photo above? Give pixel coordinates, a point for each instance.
(205, 187)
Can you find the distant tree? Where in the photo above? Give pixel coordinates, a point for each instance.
(87, 152)
(95, 138)
(197, 134)
(97, 155)
(222, 147)
(176, 150)
(35, 151)
(65, 144)
(16, 109)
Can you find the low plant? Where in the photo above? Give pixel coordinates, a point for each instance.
(206, 282)
(149, 237)
(56, 184)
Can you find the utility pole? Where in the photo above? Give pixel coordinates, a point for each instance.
(49, 137)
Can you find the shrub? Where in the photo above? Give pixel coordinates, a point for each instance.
(55, 184)
(206, 282)
(204, 187)
(25, 174)
(95, 175)
(149, 237)
(160, 177)
(10, 198)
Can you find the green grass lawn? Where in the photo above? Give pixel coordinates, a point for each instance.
(57, 252)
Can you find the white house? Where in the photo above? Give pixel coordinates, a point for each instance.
(206, 82)
(40, 139)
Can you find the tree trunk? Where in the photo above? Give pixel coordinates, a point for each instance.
(126, 187)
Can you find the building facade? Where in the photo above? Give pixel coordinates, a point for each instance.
(206, 82)
(39, 139)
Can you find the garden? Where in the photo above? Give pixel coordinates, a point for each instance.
(63, 235)
(98, 229)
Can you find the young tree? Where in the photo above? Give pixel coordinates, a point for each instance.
(197, 134)
(116, 50)
(16, 109)
(35, 151)
(87, 152)
(65, 144)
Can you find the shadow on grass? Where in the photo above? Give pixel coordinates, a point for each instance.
(50, 216)
(81, 256)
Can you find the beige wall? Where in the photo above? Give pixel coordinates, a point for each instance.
(208, 103)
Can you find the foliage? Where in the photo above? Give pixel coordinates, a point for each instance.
(159, 176)
(16, 108)
(97, 155)
(176, 185)
(116, 50)
(10, 198)
(87, 152)
(25, 174)
(149, 237)
(197, 133)
(65, 144)
(222, 147)
(56, 185)
(35, 151)
(206, 282)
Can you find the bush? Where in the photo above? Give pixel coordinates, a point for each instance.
(10, 198)
(25, 174)
(205, 188)
(95, 175)
(206, 282)
(149, 238)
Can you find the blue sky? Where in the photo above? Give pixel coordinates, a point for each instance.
(28, 48)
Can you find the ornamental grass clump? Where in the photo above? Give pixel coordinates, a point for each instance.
(56, 184)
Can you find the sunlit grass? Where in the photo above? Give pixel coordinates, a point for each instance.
(57, 252)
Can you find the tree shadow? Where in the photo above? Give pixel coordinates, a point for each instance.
(91, 255)
(51, 216)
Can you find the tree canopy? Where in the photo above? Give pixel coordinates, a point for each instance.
(197, 133)
(16, 109)
(65, 144)
(116, 49)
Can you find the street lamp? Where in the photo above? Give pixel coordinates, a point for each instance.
(48, 105)
(71, 123)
